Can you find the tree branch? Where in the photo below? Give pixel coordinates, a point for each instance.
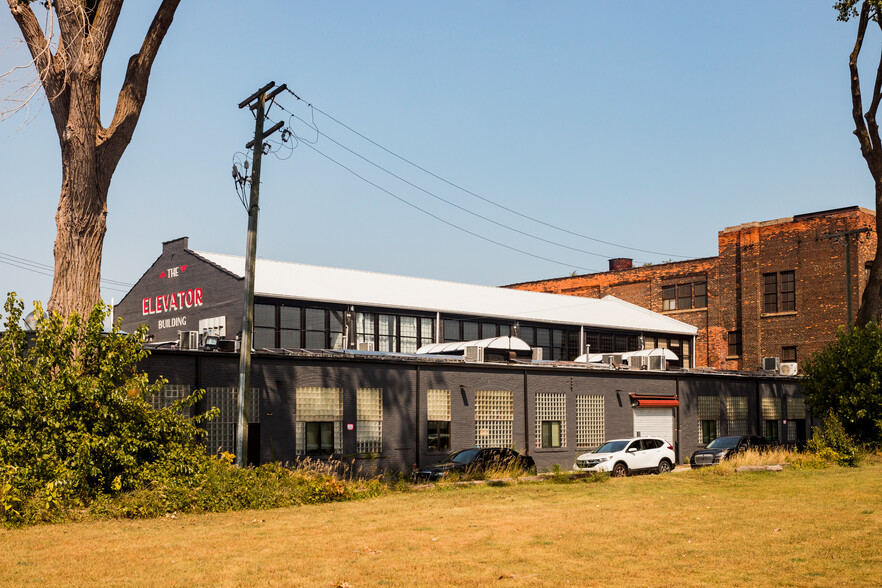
(113, 140)
(861, 132)
(870, 116)
(104, 25)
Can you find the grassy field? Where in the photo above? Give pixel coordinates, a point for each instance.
(797, 527)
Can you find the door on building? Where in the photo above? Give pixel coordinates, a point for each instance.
(654, 422)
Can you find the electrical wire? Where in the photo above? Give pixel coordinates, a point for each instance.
(448, 223)
(448, 202)
(47, 270)
(471, 193)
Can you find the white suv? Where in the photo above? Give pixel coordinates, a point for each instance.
(622, 457)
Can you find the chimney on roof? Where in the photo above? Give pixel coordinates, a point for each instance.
(620, 263)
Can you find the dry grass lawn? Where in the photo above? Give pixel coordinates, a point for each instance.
(794, 528)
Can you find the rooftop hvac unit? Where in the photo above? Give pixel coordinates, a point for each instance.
(474, 354)
(537, 353)
(789, 368)
(612, 358)
(657, 362)
(638, 362)
(366, 346)
(188, 339)
(771, 364)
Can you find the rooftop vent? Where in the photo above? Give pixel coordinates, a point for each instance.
(620, 263)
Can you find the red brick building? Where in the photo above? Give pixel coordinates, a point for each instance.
(778, 288)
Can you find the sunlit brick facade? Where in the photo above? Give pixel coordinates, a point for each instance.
(777, 288)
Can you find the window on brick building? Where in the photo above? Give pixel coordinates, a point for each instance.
(779, 292)
(684, 296)
(735, 343)
(788, 353)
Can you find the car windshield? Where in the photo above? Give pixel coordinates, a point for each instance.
(611, 447)
(724, 443)
(462, 456)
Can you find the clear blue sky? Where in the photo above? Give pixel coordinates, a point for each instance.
(650, 125)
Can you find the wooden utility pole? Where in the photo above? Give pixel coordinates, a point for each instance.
(244, 400)
(848, 286)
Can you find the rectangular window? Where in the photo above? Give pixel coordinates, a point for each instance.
(551, 434)
(335, 328)
(318, 405)
(386, 332)
(684, 296)
(788, 354)
(735, 343)
(669, 298)
(290, 327)
(365, 328)
(795, 417)
(700, 294)
(427, 331)
(590, 424)
(771, 411)
(708, 418)
(369, 423)
(504, 330)
(408, 340)
(451, 330)
(264, 326)
(469, 331)
(788, 291)
(770, 292)
(316, 329)
(438, 416)
(528, 334)
(551, 407)
(779, 295)
(489, 330)
(494, 417)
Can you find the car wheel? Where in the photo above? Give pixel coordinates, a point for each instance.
(664, 466)
(620, 470)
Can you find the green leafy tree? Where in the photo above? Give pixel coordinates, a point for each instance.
(846, 378)
(866, 129)
(75, 422)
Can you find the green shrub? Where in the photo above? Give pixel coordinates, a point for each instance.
(831, 444)
(846, 377)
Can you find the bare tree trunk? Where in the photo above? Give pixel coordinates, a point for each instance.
(871, 302)
(71, 78)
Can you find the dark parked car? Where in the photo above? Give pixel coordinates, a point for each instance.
(725, 447)
(474, 461)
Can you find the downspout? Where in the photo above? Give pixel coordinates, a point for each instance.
(526, 418)
(417, 420)
(677, 418)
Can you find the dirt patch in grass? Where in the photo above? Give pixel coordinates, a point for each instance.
(796, 527)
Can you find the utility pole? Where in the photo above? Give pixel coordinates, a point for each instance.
(244, 400)
(848, 294)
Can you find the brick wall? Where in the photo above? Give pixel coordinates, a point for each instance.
(802, 244)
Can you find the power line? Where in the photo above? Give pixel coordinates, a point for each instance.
(48, 270)
(448, 223)
(444, 200)
(471, 193)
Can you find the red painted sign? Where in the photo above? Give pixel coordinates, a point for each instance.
(172, 302)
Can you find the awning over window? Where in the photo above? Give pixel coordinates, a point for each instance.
(646, 401)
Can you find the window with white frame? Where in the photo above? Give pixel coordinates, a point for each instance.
(771, 409)
(494, 417)
(708, 418)
(551, 419)
(438, 420)
(369, 425)
(319, 420)
(736, 415)
(590, 423)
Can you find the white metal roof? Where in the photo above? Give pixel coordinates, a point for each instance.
(507, 343)
(361, 288)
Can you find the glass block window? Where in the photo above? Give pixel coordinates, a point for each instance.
(551, 407)
(494, 417)
(221, 431)
(170, 394)
(736, 411)
(438, 417)
(590, 423)
(369, 425)
(771, 410)
(796, 408)
(708, 418)
(314, 405)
